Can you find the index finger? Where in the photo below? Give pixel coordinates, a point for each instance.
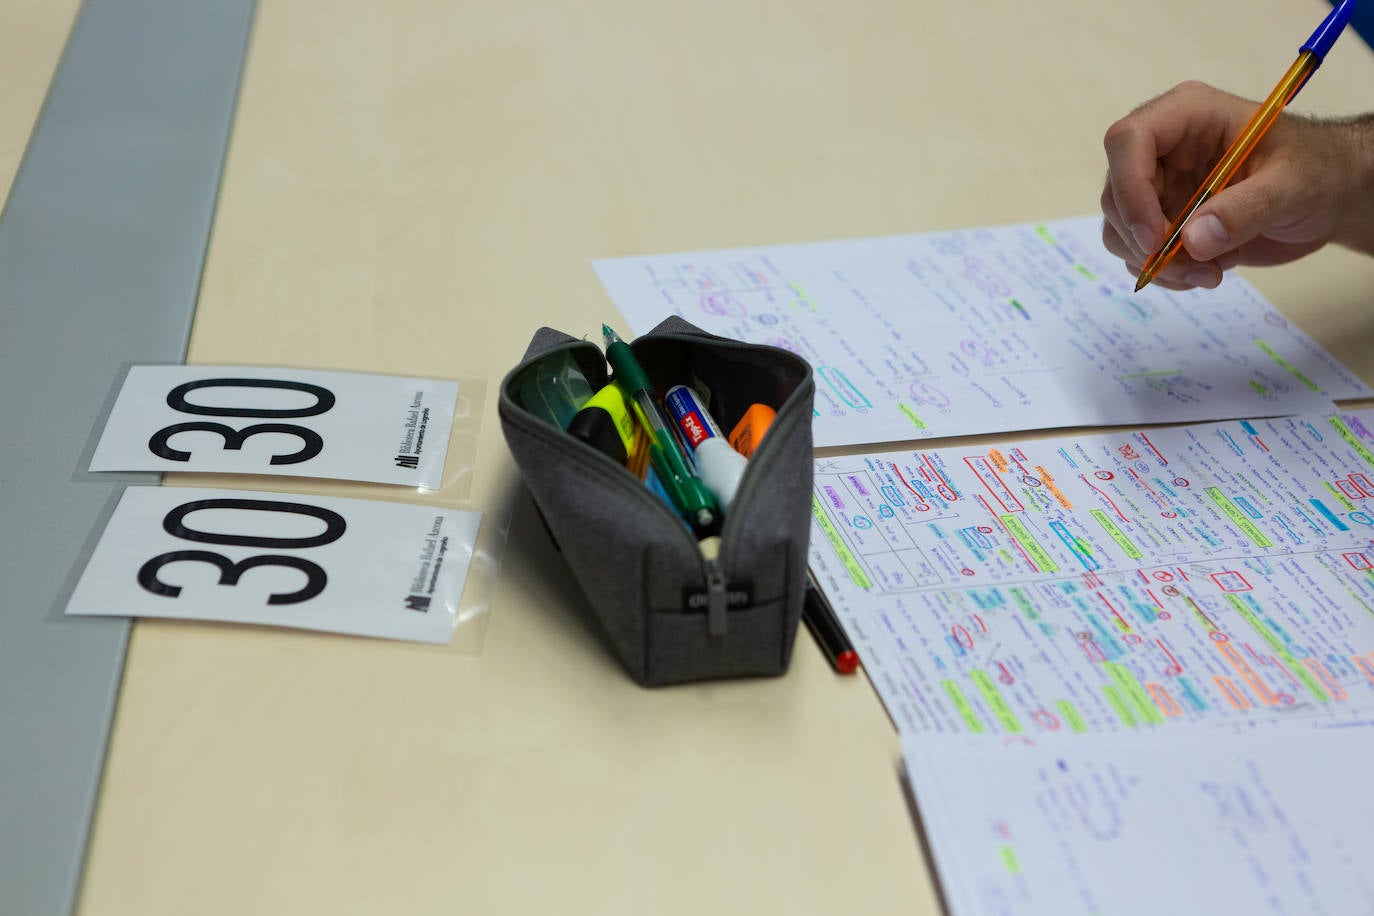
(1132, 157)
(1182, 122)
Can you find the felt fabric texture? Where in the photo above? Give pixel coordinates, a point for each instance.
(632, 555)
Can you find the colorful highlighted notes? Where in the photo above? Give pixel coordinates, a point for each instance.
(1207, 573)
(989, 330)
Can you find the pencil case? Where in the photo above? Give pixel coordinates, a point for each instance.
(670, 614)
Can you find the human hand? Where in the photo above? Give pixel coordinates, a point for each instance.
(1306, 184)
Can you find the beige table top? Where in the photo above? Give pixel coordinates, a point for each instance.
(31, 37)
(414, 188)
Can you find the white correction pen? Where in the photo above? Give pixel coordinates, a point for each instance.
(719, 466)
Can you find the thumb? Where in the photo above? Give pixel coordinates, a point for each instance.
(1236, 215)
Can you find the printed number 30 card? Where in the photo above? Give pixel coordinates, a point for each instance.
(357, 566)
(296, 422)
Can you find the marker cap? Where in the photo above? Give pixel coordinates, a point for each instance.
(596, 427)
(751, 427)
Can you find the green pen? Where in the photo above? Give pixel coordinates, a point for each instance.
(690, 496)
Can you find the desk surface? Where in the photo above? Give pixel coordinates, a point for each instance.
(413, 188)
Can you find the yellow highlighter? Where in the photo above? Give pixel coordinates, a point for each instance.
(606, 424)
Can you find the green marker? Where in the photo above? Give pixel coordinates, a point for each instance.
(693, 501)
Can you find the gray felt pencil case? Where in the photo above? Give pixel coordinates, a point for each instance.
(669, 613)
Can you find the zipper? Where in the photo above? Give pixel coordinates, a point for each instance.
(714, 565)
(717, 602)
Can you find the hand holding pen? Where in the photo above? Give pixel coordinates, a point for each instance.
(1194, 155)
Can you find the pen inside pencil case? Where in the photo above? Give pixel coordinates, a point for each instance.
(606, 423)
(718, 464)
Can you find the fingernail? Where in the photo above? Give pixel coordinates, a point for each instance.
(1144, 238)
(1201, 276)
(1205, 237)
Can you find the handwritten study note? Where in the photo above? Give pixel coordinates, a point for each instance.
(1198, 820)
(270, 420)
(988, 330)
(1203, 573)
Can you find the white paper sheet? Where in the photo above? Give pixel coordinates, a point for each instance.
(1194, 821)
(271, 420)
(1218, 572)
(357, 566)
(988, 330)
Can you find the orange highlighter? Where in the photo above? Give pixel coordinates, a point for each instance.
(744, 438)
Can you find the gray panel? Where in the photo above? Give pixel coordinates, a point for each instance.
(102, 243)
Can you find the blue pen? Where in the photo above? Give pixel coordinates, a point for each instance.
(1310, 57)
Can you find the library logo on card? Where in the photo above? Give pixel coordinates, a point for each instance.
(413, 439)
(431, 562)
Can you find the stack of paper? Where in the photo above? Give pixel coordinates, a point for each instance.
(1131, 670)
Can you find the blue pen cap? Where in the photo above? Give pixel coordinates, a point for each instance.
(1330, 29)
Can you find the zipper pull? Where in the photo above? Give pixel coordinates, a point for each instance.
(717, 604)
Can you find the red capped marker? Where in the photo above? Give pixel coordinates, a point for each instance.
(825, 627)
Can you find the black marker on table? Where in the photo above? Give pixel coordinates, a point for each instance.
(825, 626)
